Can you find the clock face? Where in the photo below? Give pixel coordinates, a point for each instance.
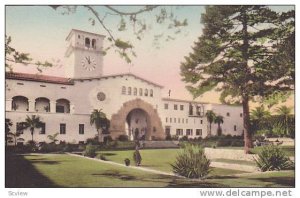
(88, 63)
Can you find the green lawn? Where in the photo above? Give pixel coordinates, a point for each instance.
(61, 170)
(158, 159)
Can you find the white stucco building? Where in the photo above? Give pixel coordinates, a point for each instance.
(134, 105)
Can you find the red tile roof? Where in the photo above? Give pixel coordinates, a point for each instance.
(38, 78)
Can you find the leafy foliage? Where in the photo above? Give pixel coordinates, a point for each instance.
(273, 158)
(90, 151)
(219, 120)
(32, 123)
(13, 56)
(53, 138)
(191, 162)
(210, 115)
(102, 124)
(237, 55)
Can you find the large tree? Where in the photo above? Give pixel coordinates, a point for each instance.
(102, 124)
(219, 120)
(241, 54)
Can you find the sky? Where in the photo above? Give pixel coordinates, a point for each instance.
(41, 32)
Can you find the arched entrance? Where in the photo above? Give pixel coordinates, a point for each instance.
(148, 122)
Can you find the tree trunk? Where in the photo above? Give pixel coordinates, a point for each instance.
(246, 119)
(209, 134)
(32, 135)
(99, 135)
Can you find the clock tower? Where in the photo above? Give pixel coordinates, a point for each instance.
(84, 54)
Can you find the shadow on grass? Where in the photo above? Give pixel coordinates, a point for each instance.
(281, 181)
(20, 173)
(116, 174)
(108, 154)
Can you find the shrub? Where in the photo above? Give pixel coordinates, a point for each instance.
(191, 162)
(223, 142)
(184, 138)
(32, 146)
(137, 157)
(127, 162)
(237, 143)
(68, 148)
(123, 138)
(93, 141)
(273, 158)
(107, 139)
(90, 151)
(101, 156)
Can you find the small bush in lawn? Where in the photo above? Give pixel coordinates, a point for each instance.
(101, 156)
(90, 151)
(184, 138)
(191, 162)
(32, 146)
(273, 158)
(127, 162)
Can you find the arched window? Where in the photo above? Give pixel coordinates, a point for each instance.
(124, 90)
(146, 92)
(42, 104)
(135, 91)
(94, 43)
(151, 93)
(62, 106)
(87, 42)
(20, 103)
(141, 92)
(129, 90)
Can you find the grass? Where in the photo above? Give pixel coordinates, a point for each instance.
(61, 170)
(157, 159)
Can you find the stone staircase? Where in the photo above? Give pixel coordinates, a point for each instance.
(159, 144)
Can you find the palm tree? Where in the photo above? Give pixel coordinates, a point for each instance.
(259, 113)
(210, 115)
(32, 123)
(8, 124)
(53, 138)
(284, 117)
(219, 120)
(101, 122)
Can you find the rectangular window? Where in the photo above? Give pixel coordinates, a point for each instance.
(181, 107)
(171, 120)
(166, 119)
(228, 114)
(182, 120)
(201, 121)
(178, 120)
(186, 121)
(20, 83)
(19, 128)
(175, 106)
(199, 132)
(234, 127)
(43, 128)
(141, 92)
(189, 132)
(42, 85)
(62, 128)
(241, 115)
(179, 132)
(166, 106)
(174, 120)
(81, 128)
